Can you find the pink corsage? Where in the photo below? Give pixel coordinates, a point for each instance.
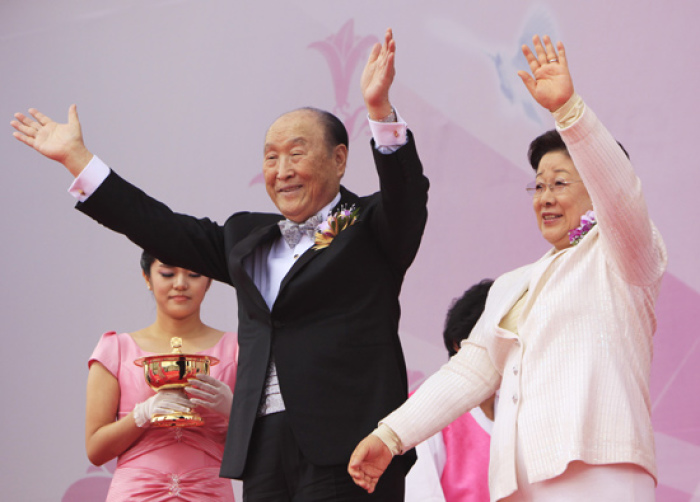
(329, 229)
(587, 222)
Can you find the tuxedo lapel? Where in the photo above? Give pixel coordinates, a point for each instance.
(256, 238)
(242, 251)
(347, 199)
(301, 262)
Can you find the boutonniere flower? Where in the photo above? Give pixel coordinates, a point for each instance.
(587, 222)
(336, 223)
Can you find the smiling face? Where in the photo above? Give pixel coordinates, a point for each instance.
(560, 213)
(302, 172)
(178, 292)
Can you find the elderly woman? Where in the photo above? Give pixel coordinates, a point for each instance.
(568, 339)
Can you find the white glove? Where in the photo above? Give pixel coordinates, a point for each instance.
(162, 402)
(207, 391)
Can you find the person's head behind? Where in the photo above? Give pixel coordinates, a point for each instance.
(463, 315)
(305, 156)
(563, 198)
(178, 292)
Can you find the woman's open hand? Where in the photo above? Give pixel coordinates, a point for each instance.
(368, 462)
(550, 83)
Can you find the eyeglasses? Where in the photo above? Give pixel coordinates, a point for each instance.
(537, 188)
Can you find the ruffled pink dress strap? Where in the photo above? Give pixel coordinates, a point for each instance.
(108, 353)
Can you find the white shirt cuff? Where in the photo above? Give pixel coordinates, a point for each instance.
(389, 136)
(85, 184)
(389, 438)
(569, 112)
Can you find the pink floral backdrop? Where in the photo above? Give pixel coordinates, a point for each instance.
(176, 96)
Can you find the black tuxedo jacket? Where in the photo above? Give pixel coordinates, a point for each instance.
(333, 329)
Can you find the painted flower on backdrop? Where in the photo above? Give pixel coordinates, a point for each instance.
(345, 53)
(588, 221)
(508, 61)
(505, 55)
(336, 223)
(93, 486)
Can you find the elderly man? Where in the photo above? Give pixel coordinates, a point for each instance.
(320, 357)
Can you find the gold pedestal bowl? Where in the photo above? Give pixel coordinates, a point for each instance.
(172, 371)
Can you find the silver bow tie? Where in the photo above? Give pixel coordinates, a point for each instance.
(292, 232)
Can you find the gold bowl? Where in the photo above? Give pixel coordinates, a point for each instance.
(173, 371)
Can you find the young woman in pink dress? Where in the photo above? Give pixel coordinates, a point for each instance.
(162, 463)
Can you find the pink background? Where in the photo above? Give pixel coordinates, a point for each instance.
(176, 96)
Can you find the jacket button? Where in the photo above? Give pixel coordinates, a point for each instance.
(277, 324)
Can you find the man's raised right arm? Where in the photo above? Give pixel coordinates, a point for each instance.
(63, 143)
(181, 240)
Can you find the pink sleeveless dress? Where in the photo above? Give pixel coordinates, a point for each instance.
(453, 464)
(171, 463)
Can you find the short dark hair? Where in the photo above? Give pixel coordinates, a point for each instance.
(543, 144)
(334, 131)
(464, 313)
(548, 142)
(147, 260)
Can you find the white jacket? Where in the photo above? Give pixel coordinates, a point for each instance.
(575, 380)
